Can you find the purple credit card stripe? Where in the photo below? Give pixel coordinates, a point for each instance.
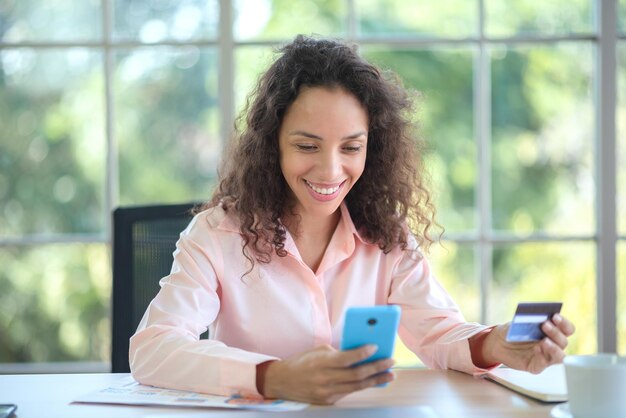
(549, 308)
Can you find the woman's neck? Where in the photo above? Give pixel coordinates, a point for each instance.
(302, 225)
(312, 234)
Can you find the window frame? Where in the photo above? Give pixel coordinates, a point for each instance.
(604, 39)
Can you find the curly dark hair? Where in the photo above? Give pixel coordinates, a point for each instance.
(385, 203)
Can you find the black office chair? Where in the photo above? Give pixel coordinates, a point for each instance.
(144, 239)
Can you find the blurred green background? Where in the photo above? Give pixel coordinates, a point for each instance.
(148, 79)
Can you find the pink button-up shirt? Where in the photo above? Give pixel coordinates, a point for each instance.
(283, 308)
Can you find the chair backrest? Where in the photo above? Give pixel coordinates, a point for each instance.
(144, 239)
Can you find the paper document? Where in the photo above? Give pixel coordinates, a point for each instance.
(547, 386)
(128, 392)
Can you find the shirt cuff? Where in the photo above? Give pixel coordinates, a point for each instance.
(240, 376)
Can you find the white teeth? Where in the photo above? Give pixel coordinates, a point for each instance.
(322, 190)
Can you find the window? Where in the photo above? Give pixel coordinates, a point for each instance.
(118, 102)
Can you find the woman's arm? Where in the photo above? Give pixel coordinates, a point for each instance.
(166, 350)
(433, 327)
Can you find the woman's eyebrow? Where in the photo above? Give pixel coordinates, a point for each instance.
(313, 136)
(304, 134)
(356, 135)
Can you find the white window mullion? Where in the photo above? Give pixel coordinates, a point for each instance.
(351, 21)
(606, 174)
(226, 75)
(482, 121)
(112, 168)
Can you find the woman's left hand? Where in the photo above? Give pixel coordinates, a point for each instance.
(534, 356)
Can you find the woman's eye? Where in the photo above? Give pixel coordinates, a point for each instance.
(306, 147)
(354, 148)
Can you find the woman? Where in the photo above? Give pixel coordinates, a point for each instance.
(320, 207)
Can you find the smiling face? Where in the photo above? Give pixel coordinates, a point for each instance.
(323, 145)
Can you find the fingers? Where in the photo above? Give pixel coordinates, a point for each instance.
(378, 379)
(329, 394)
(539, 359)
(564, 324)
(349, 357)
(558, 330)
(554, 333)
(551, 348)
(338, 382)
(551, 351)
(359, 373)
(545, 353)
(340, 365)
(367, 370)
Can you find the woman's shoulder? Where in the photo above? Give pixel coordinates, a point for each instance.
(215, 218)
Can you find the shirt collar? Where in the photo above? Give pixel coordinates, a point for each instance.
(341, 244)
(349, 225)
(342, 240)
(230, 222)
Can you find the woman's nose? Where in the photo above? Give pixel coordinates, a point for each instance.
(330, 165)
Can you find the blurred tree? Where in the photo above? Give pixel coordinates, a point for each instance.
(167, 124)
(54, 298)
(443, 84)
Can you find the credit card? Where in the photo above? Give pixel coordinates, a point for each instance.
(526, 324)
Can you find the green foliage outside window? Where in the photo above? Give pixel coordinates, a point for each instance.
(166, 113)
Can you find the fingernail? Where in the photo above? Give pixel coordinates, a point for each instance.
(371, 349)
(556, 318)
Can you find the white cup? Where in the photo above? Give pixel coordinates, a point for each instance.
(596, 385)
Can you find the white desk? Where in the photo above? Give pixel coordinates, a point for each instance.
(450, 394)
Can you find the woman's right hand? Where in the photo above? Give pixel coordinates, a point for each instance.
(323, 375)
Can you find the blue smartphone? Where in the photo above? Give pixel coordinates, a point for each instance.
(371, 325)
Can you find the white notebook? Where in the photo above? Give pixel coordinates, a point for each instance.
(547, 386)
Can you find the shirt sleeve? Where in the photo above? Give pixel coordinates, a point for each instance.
(166, 350)
(432, 325)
